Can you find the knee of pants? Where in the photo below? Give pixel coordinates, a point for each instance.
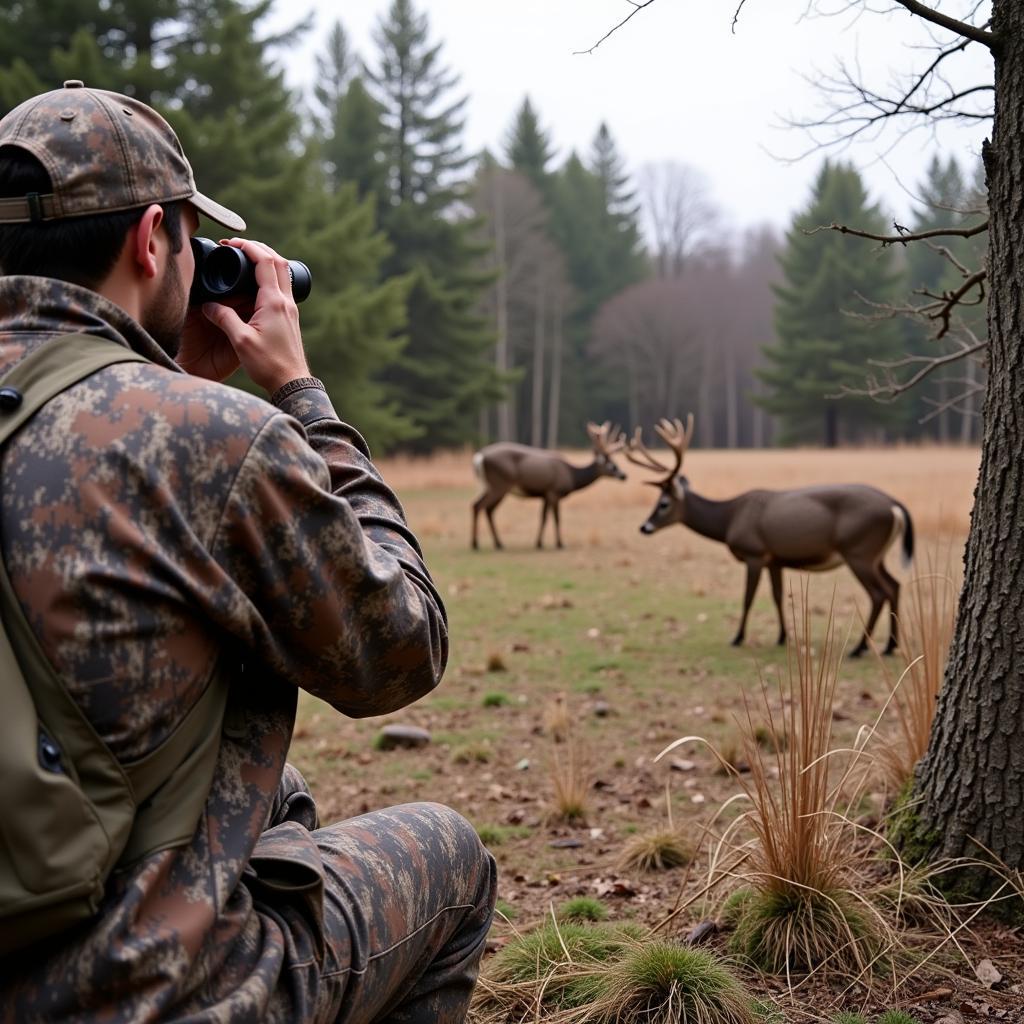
(457, 836)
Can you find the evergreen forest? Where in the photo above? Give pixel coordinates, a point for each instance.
(516, 293)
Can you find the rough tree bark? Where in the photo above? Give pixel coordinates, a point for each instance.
(971, 782)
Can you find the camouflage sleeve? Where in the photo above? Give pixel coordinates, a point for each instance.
(337, 597)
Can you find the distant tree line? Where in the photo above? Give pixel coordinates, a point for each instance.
(514, 294)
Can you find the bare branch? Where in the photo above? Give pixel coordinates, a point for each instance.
(902, 235)
(637, 7)
(979, 35)
(889, 388)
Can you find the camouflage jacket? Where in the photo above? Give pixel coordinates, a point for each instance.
(151, 523)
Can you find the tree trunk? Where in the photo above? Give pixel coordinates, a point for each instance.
(831, 438)
(555, 389)
(972, 779)
(537, 396)
(501, 313)
(732, 404)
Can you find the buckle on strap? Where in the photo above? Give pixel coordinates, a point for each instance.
(31, 208)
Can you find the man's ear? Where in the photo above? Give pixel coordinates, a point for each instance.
(145, 244)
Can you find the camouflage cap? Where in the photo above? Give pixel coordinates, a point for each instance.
(104, 152)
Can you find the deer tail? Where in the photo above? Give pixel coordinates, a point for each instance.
(478, 467)
(901, 513)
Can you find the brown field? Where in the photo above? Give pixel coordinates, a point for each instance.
(630, 634)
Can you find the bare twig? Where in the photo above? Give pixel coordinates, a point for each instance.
(736, 16)
(637, 7)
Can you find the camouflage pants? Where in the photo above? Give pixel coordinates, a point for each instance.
(397, 935)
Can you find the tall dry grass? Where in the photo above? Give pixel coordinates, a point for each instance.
(926, 630)
(803, 903)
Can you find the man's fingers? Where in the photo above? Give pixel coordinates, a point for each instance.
(271, 269)
(225, 318)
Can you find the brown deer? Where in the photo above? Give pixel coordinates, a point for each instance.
(810, 528)
(538, 473)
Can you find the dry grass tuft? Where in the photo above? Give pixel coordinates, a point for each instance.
(927, 623)
(570, 782)
(656, 850)
(804, 909)
(568, 766)
(496, 663)
(556, 720)
(805, 904)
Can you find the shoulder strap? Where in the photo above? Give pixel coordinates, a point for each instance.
(52, 368)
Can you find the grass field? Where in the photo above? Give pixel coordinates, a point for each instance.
(632, 630)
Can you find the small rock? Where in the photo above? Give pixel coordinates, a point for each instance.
(406, 737)
(679, 764)
(700, 932)
(988, 974)
(593, 633)
(602, 709)
(953, 1017)
(565, 844)
(522, 765)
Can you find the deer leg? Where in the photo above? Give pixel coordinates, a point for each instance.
(753, 578)
(489, 505)
(871, 581)
(775, 571)
(543, 520)
(893, 595)
(558, 524)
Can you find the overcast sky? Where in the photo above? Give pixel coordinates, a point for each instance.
(676, 84)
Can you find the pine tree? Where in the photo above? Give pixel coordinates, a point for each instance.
(352, 323)
(603, 256)
(445, 375)
(610, 168)
(214, 79)
(528, 147)
(822, 349)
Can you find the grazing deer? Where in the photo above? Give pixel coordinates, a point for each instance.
(810, 528)
(537, 473)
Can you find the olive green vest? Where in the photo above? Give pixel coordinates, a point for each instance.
(69, 811)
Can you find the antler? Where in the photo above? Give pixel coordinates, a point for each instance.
(606, 438)
(673, 434)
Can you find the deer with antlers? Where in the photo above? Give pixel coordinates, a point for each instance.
(810, 528)
(527, 472)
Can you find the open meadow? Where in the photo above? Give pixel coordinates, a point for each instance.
(623, 641)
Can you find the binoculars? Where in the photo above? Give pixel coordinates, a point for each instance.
(223, 272)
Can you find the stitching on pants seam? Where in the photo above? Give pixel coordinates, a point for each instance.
(384, 952)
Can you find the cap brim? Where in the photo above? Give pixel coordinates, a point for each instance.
(221, 214)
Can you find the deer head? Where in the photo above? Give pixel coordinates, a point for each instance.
(606, 441)
(669, 508)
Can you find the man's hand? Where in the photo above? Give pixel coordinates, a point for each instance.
(205, 350)
(269, 345)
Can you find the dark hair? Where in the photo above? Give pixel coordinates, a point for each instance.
(81, 250)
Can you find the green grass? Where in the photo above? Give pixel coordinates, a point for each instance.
(497, 835)
(897, 1017)
(496, 700)
(663, 983)
(581, 909)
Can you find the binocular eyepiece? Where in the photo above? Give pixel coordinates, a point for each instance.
(223, 272)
